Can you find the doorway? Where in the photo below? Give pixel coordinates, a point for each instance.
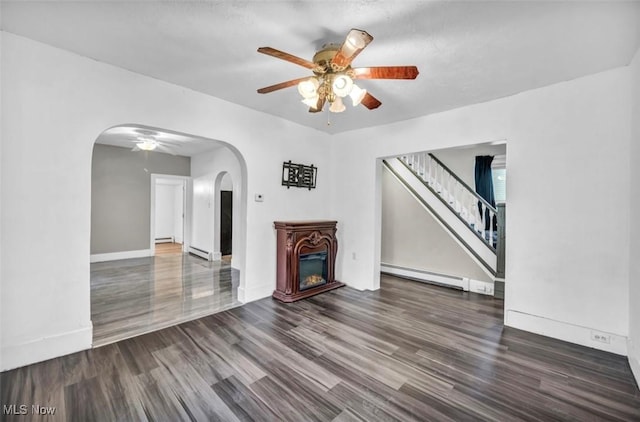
(168, 209)
(226, 222)
(226, 216)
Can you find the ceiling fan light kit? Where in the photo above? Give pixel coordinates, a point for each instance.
(334, 77)
(146, 143)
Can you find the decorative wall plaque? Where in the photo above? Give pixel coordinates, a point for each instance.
(298, 175)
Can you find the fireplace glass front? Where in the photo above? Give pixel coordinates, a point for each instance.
(313, 270)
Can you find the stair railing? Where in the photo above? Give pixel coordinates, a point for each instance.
(473, 209)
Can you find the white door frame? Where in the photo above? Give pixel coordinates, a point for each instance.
(186, 209)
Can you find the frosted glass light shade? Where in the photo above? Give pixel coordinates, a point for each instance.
(357, 94)
(308, 88)
(342, 85)
(147, 145)
(355, 41)
(311, 102)
(337, 106)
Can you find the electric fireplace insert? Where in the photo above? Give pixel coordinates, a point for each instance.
(306, 254)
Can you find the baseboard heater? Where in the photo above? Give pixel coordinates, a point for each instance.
(164, 239)
(201, 253)
(462, 283)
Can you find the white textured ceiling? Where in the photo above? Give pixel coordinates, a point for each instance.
(467, 52)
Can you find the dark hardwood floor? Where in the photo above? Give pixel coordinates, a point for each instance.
(407, 352)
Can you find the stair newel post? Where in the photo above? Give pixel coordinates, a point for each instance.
(491, 218)
(500, 247)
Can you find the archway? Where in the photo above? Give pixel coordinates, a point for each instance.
(131, 174)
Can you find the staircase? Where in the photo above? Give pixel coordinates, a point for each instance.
(468, 218)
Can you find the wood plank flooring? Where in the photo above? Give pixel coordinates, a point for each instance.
(168, 249)
(408, 352)
(135, 296)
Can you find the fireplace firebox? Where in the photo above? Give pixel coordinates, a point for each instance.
(306, 256)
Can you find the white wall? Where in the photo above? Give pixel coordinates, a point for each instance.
(203, 211)
(226, 183)
(567, 257)
(55, 104)
(164, 211)
(169, 204)
(178, 213)
(217, 165)
(634, 272)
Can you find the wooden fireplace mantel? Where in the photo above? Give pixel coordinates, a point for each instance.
(296, 238)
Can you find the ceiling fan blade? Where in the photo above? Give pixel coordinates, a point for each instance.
(166, 150)
(286, 56)
(355, 42)
(370, 102)
(318, 106)
(386, 72)
(281, 85)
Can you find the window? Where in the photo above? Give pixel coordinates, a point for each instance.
(499, 175)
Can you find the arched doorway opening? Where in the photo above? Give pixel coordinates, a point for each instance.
(134, 291)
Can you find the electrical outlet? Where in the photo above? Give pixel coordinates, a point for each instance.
(600, 337)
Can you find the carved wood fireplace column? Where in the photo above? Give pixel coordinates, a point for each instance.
(306, 256)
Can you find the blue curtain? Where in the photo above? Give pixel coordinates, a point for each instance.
(484, 183)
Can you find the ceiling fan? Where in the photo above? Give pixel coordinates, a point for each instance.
(333, 75)
(145, 140)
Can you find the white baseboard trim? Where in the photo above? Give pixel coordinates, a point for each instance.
(466, 284)
(15, 356)
(567, 332)
(114, 256)
(634, 363)
(216, 256)
(256, 293)
(164, 240)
